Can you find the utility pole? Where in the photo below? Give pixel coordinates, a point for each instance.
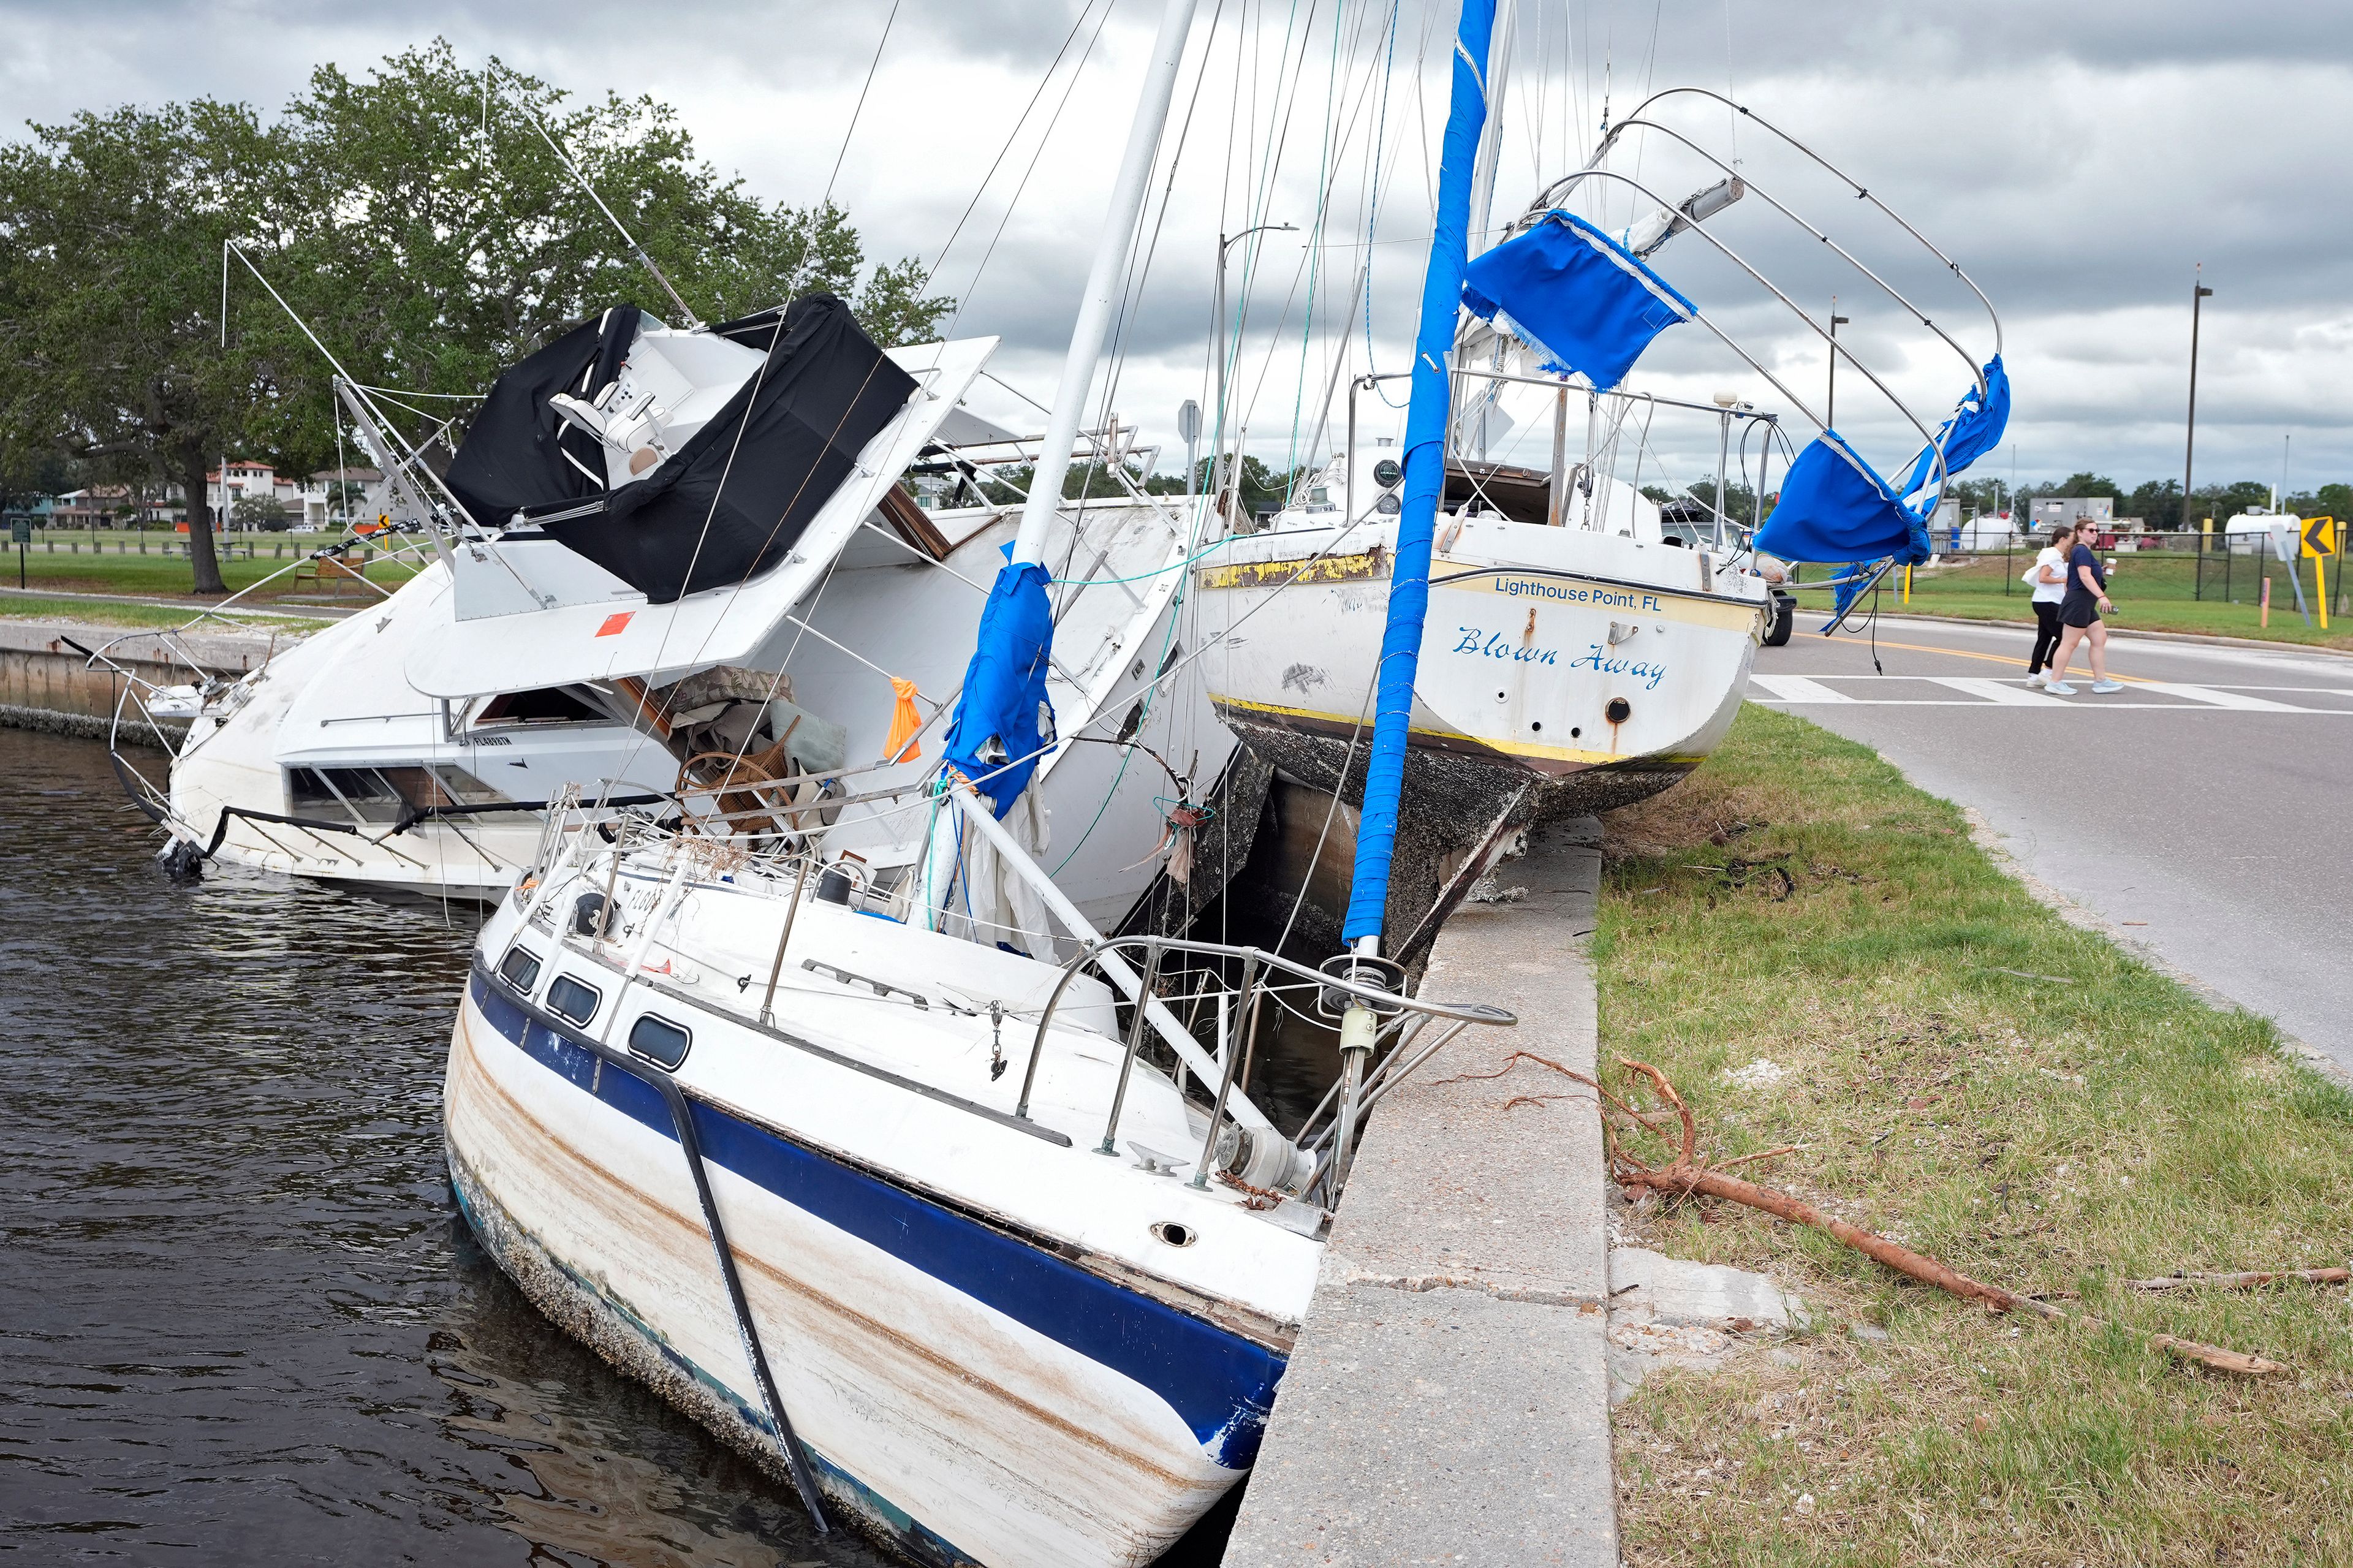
(2199, 292)
(1829, 415)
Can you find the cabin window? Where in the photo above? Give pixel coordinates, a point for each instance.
(464, 788)
(568, 998)
(520, 969)
(384, 794)
(660, 1041)
(363, 793)
(546, 705)
(438, 787)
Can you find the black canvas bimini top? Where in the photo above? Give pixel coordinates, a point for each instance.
(728, 504)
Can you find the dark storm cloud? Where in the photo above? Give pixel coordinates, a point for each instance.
(2076, 155)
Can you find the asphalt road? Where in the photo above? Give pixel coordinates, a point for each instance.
(2207, 808)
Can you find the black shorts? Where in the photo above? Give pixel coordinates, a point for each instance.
(2077, 611)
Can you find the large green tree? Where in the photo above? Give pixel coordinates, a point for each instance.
(436, 233)
(415, 217)
(110, 234)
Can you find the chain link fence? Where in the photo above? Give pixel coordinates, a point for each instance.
(2152, 568)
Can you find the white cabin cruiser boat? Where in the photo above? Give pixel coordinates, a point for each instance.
(559, 650)
(324, 763)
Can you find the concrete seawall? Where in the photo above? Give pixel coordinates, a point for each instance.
(46, 682)
(1449, 1398)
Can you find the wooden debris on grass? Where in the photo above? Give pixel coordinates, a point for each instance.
(2179, 1282)
(1688, 1174)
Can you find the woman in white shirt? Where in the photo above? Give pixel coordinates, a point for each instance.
(2048, 578)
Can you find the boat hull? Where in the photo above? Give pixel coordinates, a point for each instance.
(965, 1394)
(1562, 672)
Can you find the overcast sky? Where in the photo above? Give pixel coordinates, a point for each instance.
(2075, 157)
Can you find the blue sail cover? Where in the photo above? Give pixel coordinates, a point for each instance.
(1834, 508)
(1584, 303)
(1975, 429)
(1004, 696)
(1425, 476)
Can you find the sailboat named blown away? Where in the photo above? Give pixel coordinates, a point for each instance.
(1523, 641)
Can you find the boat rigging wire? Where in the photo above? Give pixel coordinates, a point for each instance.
(1010, 136)
(859, 108)
(964, 299)
(582, 180)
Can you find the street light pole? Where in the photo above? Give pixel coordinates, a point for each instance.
(1218, 432)
(2199, 292)
(1829, 414)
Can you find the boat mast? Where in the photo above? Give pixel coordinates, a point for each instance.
(1102, 284)
(1425, 482)
(1491, 137)
(1478, 232)
(1427, 418)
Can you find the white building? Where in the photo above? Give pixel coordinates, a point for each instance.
(305, 501)
(2050, 510)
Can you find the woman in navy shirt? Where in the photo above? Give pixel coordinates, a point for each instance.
(2079, 620)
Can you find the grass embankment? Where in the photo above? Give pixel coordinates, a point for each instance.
(2153, 593)
(2047, 1134)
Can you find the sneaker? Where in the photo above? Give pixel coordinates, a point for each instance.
(2038, 679)
(2107, 686)
(2058, 689)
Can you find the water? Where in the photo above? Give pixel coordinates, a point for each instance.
(242, 1320)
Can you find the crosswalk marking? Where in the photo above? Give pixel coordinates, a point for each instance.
(1996, 692)
(2216, 698)
(1798, 689)
(1971, 691)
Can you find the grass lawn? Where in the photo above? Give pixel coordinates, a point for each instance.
(130, 612)
(92, 568)
(2154, 593)
(2048, 1134)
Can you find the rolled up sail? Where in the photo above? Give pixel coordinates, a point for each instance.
(1427, 416)
(1003, 722)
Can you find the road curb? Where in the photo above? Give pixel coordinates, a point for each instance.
(1448, 1399)
(2121, 632)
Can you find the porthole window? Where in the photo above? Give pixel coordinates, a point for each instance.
(660, 1041)
(567, 998)
(520, 969)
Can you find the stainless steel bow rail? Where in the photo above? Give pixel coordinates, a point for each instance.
(1407, 1020)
